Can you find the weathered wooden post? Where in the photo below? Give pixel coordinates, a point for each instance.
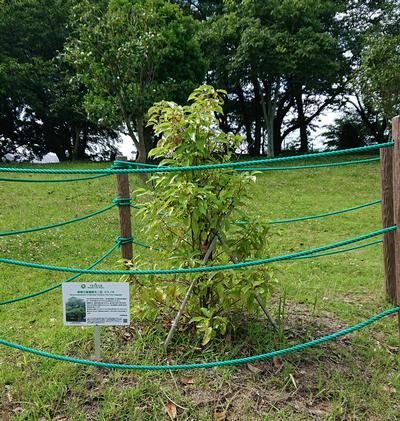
(124, 211)
(396, 203)
(388, 221)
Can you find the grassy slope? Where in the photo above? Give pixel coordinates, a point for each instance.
(353, 378)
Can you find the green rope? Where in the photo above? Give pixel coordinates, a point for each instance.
(124, 166)
(311, 256)
(328, 253)
(321, 215)
(142, 164)
(70, 279)
(146, 246)
(59, 224)
(61, 180)
(123, 240)
(235, 361)
(201, 268)
(43, 291)
(302, 167)
(122, 201)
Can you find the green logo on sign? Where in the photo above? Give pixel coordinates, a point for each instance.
(83, 286)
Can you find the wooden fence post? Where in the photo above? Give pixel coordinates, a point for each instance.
(396, 204)
(124, 211)
(388, 221)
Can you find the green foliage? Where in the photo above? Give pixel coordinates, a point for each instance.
(276, 56)
(347, 132)
(185, 211)
(130, 54)
(379, 75)
(39, 108)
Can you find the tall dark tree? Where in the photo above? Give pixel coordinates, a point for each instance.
(40, 110)
(276, 57)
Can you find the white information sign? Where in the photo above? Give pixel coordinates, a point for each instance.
(96, 303)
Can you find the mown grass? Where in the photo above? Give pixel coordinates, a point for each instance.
(356, 377)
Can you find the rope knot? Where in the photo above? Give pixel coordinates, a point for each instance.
(123, 240)
(122, 201)
(119, 165)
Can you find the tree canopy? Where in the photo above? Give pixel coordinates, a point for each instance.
(131, 54)
(40, 110)
(74, 75)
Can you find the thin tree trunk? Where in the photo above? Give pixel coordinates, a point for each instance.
(188, 293)
(269, 100)
(301, 121)
(76, 146)
(257, 117)
(141, 152)
(277, 136)
(246, 120)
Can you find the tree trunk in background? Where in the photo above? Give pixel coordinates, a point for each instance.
(79, 144)
(141, 148)
(302, 121)
(269, 100)
(257, 119)
(223, 121)
(246, 121)
(277, 135)
(83, 144)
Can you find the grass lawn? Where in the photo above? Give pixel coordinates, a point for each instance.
(353, 378)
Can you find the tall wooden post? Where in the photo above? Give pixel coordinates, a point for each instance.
(388, 221)
(124, 211)
(396, 203)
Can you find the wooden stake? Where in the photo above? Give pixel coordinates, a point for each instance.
(188, 293)
(388, 221)
(396, 203)
(124, 211)
(257, 296)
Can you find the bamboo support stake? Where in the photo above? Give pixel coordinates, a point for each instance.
(124, 211)
(257, 296)
(388, 221)
(396, 203)
(174, 325)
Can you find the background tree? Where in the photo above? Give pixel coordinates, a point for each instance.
(379, 74)
(357, 27)
(275, 57)
(347, 132)
(40, 110)
(129, 54)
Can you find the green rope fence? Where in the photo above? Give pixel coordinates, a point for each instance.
(200, 269)
(125, 166)
(147, 246)
(329, 253)
(236, 361)
(58, 224)
(324, 215)
(302, 167)
(127, 202)
(70, 279)
(60, 180)
(321, 215)
(43, 291)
